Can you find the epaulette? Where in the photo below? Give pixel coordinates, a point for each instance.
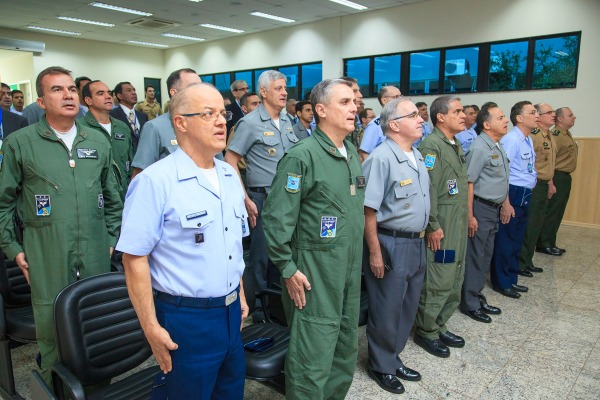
(535, 131)
(377, 121)
(556, 132)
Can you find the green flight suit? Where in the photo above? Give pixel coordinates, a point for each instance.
(71, 215)
(313, 221)
(441, 291)
(122, 146)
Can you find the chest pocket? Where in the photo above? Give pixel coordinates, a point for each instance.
(330, 199)
(405, 195)
(240, 214)
(271, 140)
(292, 137)
(194, 229)
(497, 165)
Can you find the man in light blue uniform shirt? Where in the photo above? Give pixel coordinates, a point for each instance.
(373, 135)
(181, 237)
(513, 217)
(467, 136)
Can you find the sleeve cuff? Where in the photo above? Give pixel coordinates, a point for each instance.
(289, 270)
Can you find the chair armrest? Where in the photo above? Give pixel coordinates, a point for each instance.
(39, 389)
(60, 375)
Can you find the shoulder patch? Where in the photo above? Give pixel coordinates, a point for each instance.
(430, 161)
(377, 121)
(293, 183)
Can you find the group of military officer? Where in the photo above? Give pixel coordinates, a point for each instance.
(429, 218)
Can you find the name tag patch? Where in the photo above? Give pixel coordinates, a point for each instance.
(87, 153)
(361, 182)
(173, 142)
(42, 204)
(269, 133)
(196, 215)
(293, 183)
(328, 227)
(100, 201)
(406, 182)
(430, 161)
(452, 187)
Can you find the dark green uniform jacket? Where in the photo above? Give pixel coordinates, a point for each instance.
(313, 220)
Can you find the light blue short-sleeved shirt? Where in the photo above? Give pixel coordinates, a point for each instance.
(372, 137)
(519, 150)
(466, 138)
(191, 235)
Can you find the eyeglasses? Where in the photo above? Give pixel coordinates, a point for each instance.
(241, 88)
(534, 112)
(412, 115)
(393, 97)
(210, 116)
(548, 112)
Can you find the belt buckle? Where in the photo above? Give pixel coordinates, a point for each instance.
(421, 234)
(231, 297)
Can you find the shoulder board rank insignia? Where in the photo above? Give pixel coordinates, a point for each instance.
(332, 150)
(556, 132)
(430, 161)
(377, 121)
(293, 183)
(535, 131)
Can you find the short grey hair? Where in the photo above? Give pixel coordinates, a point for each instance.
(441, 105)
(267, 77)
(389, 112)
(321, 93)
(235, 84)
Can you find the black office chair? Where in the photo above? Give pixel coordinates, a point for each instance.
(266, 366)
(99, 337)
(17, 326)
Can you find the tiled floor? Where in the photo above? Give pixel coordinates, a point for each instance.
(544, 346)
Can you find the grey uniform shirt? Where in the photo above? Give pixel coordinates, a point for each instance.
(397, 190)
(488, 169)
(262, 144)
(157, 140)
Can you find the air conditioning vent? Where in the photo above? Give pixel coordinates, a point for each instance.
(456, 67)
(152, 23)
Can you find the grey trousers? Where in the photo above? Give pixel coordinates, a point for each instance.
(393, 301)
(479, 255)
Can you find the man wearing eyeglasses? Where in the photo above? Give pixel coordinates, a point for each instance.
(181, 236)
(373, 135)
(545, 159)
(522, 178)
(238, 89)
(262, 138)
(446, 238)
(396, 215)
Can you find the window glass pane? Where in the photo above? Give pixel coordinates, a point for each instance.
(291, 74)
(424, 72)
(508, 64)
(245, 76)
(460, 70)
(311, 75)
(386, 72)
(359, 69)
(207, 78)
(555, 62)
(257, 73)
(222, 83)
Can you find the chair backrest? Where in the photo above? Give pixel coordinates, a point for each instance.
(13, 285)
(98, 334)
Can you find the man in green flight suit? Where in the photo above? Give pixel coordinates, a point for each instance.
(447, 229)
(99, 102)
(313, 221)
(58, 177)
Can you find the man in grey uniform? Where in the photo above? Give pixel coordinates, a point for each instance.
(262, 137)
(396, 215)
(157, 139)
(487, 175)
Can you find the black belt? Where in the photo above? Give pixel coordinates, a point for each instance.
(543, 181)
(487, 202)
(258, 190)
(562, 172)
(198, 302)
(401, 234)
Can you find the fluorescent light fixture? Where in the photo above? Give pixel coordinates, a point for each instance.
(195, 1)
(147, 43)
(349, 4)
(121, 9)
(39, 28)
(222, 28)
(86, 21)
(269, 16)
(172, 35)
(561, 53)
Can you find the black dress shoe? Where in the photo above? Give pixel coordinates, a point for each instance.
(520, 288)
(478, 316)
(433, 346)
(562, 251)
(526, 273)
(531, 268)
(551, 251)
(486, 308)
(452, 340)
(408, 374)
(508, 293)
(387, 382)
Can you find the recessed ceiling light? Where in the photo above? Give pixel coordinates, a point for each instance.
(85, 21)
(147, 43)
(195, 1)
(269, 16)
(121, 9)
(39, 28)
(349, 4)
(222, 28)
(173, 35)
